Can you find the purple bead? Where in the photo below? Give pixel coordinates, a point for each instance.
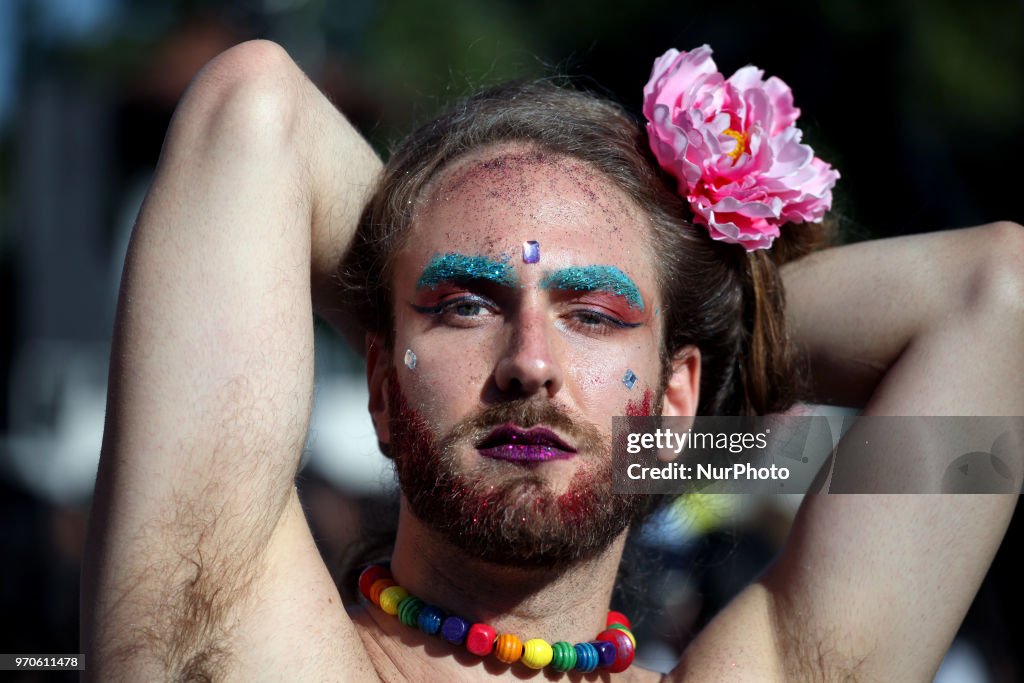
(605, 653)
(454, 630)
(531, 251)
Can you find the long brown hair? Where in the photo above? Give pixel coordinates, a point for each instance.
(727, 302)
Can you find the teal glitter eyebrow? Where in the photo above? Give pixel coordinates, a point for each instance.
(455, 267)
(595, 279)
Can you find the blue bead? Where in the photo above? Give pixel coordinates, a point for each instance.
(605, 653)
(429, 619)
(586, 657)
(454, 630)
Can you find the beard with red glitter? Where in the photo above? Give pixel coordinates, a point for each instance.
(502, 512)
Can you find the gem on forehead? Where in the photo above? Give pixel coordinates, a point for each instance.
(410, 359)
(531, 251)
(629, 379)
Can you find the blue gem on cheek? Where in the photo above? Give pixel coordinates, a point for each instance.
(410, 359)
(531, 251)
(629, 379)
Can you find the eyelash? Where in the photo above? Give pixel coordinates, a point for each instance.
(445, 309)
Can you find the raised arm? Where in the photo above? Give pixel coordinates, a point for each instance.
(256, 196)
(875, 586)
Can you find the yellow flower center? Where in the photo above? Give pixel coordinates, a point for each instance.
(741, 143)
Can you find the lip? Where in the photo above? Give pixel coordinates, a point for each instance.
(537, 444)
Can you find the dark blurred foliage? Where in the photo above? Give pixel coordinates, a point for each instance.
(918, 104)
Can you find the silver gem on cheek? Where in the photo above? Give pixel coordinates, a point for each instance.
(531, 251)
(629, 379)
(410, 359)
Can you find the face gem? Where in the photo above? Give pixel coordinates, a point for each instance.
(531, 251)
(629, 379)
(410, 359)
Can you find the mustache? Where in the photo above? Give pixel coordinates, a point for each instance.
(526, 413)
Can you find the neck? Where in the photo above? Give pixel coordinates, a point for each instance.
(567, 603)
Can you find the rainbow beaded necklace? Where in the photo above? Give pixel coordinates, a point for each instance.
(612, 650)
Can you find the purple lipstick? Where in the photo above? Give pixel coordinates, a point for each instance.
(514, 444)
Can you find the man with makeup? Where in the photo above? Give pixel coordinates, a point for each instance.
(518, 277)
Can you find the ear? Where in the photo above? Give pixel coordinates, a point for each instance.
(682, 390)
(378, 367)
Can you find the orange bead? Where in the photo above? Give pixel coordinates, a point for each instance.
(508, 649)
(378, 587)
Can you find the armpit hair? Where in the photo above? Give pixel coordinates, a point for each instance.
(818, 657)
(184, 605)
(187, 623)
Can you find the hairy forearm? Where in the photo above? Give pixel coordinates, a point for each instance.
(344, 171)
(854, 310)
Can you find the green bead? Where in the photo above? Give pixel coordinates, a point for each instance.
(409, 609)
(563, 656)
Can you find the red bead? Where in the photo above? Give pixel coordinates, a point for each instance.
(617, 617)
(624, 650)
(371, 574)
(480, 639)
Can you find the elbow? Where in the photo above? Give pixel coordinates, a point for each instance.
(244, 98)
(999, 281)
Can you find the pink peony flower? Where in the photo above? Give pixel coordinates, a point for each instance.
(734, 146)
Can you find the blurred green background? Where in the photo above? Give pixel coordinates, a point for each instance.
(918, 104)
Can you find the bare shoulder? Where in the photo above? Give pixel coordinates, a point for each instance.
(847, 599)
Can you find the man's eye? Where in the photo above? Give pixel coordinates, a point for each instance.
(460, 310)
(464, 308)
(592, 321)
(591, 318)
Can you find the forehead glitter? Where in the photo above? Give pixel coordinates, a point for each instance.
(410, 359)
(595, 279)
(454, 267)
(629, 379)
(531, 251)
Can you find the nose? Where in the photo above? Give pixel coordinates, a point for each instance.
(527, 365)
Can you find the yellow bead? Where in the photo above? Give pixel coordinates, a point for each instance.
(390, 597)
(508, 648)
(537, 653)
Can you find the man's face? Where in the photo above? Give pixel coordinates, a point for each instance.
(501, 428)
